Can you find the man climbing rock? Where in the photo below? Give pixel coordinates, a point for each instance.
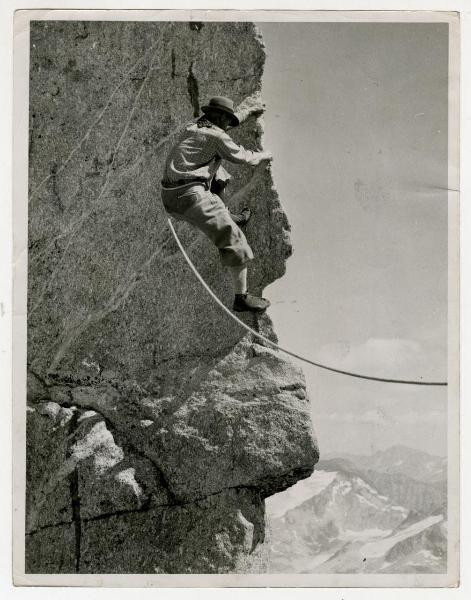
(193, 187)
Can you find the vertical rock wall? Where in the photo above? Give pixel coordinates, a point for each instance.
(156, 427)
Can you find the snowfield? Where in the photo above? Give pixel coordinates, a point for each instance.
(279, 504)
(380, 548)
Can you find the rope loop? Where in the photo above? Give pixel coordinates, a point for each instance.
(277, 346)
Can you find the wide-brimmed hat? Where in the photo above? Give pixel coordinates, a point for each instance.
(224, 105)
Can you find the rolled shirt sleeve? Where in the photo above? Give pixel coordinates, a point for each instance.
(198, 152)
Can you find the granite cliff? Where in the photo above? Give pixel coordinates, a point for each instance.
(156, 427)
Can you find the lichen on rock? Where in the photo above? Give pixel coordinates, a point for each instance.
(156, 425)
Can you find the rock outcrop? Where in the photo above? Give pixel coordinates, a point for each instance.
(156, 426)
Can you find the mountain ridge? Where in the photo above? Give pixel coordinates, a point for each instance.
(397, 522)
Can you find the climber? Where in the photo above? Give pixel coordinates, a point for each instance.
(193, 188)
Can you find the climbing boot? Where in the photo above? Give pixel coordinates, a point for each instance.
(242, 218)
(247, 302)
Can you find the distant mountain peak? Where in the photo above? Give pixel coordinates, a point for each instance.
(396, 460)
(324, 523)
(407, 450)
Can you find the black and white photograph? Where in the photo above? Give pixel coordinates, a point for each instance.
(237, 358)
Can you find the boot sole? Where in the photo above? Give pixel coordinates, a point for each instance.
(244, 222)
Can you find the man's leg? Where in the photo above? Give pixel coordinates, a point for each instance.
(243, 301)
(242, 218)
(207, 212)
(219, 188)
(239, 279)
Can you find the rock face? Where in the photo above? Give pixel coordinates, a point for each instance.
(156, 427)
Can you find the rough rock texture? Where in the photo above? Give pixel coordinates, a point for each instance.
(156, 427)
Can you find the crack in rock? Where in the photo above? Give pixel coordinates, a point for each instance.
(193, 90)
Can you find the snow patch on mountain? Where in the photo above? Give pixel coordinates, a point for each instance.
(279, 504)
(376, 549)
(348, 518)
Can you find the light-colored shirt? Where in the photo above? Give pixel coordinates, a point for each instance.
(199, 151)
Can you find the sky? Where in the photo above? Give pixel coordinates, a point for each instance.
(357, 122)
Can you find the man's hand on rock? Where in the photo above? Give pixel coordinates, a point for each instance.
(266, 155)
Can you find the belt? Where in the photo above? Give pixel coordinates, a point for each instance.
(180, 182)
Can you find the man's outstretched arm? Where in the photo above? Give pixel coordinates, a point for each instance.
(229, 150)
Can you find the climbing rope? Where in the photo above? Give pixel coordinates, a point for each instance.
(278, 347)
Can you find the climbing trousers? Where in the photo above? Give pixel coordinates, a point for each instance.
(197, 205)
